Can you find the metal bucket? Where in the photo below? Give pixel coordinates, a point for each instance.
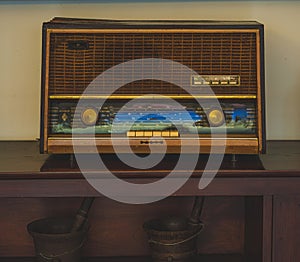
(53, 241)
(172, 239)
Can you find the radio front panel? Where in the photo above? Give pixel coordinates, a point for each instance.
(227, 56)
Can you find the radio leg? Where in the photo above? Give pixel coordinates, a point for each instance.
(72, 161)
(233, 160)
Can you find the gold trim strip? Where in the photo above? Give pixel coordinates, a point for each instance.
(84, 138)
(64, 30)
(151, 97)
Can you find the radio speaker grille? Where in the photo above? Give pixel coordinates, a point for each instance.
(72, 68)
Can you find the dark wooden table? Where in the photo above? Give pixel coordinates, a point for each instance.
(251, 213)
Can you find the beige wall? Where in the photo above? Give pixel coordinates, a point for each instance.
(20, 54)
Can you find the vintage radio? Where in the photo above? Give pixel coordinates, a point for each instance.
(224, 57)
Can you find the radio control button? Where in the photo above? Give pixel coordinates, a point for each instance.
(156, 133)
(174, 133)
(148, 133)
(131, 133)
(165, 133)
(139, 133)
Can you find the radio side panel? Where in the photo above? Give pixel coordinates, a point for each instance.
(262, 142)
(43, 135)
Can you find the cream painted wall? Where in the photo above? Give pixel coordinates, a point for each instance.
(20, 54)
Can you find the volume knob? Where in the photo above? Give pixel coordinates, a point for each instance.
(89, 116)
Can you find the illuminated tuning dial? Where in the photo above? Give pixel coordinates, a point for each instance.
(89, 116)
(216, 117)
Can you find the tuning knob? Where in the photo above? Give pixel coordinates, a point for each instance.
(89, 116)
(216, 117)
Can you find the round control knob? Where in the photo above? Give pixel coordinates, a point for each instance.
(216, 117)
(89, 116)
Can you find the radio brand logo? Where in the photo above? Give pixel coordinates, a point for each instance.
(166, 71)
